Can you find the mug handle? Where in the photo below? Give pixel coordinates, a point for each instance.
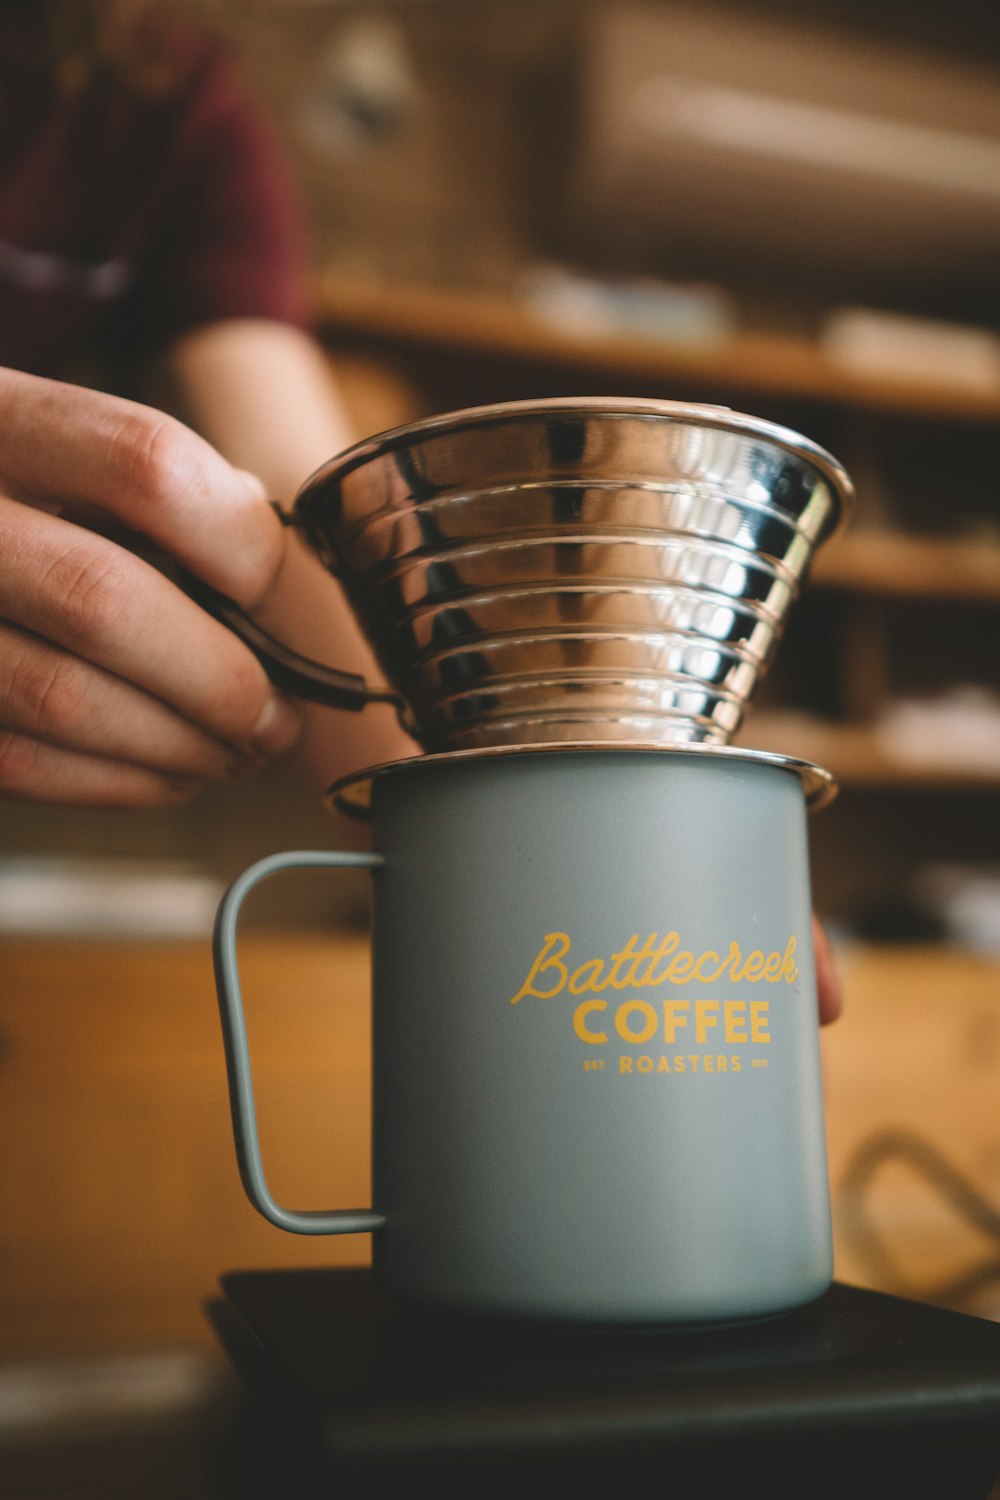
(241, 1100)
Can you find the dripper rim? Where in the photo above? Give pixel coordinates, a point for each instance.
(694, 413)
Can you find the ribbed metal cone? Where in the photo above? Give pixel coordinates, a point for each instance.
(600, 569)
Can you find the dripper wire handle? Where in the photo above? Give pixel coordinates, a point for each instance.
(288, 669)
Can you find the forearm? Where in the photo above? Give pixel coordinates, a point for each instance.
(262, 394)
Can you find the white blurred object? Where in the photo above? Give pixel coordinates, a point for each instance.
(42, 1399)
(882, 343)
(967, 898)
(363, 90)
(644, 307)
(958, 729)
(826, 136)
(106, 898)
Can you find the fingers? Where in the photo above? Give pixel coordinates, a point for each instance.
(828, 987)
(67, 448)
(31, 770)
(49, 694)
(111, 610)
(114, 686)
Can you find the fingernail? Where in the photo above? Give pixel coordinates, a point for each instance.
(278, 726)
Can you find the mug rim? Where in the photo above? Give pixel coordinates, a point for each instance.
(352, 794)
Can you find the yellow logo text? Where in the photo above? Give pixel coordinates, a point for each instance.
(638, 1021)
(658, 961)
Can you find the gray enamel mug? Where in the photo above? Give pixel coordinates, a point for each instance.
(596, 1075)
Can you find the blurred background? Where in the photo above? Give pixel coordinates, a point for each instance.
(791, 207)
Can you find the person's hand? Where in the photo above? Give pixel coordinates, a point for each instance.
(115, 688)
(828, 989)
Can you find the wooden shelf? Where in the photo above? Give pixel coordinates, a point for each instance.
(855, 756)
(894, 565)
(444, 320)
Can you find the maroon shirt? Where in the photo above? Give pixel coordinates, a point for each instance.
(125, 219)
